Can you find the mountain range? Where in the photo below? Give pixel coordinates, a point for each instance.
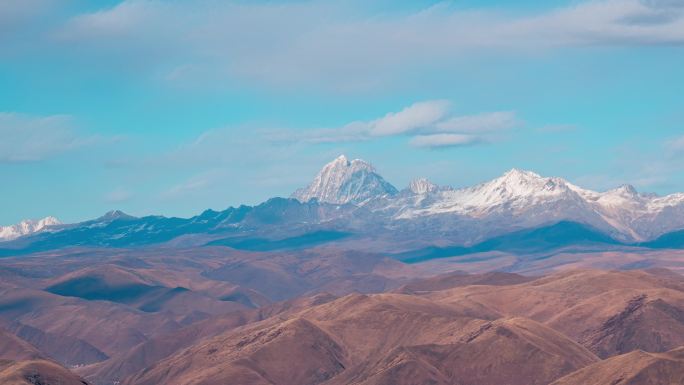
(349, 202)
(520, 280)
(516, 199)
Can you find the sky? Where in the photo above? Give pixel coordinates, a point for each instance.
(173, 107)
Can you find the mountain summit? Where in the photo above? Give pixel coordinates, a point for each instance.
(26, 227)
(343, 181)
(422, 186)
(114, 215)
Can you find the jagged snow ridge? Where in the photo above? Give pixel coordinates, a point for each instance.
(342, 181)
(422, 186)
(517, 198)
(516, 189)
(26, 227)
(519, 192)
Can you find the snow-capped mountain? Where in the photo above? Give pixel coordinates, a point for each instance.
(515, 200)
(25, 227)
(114, 215)
(422, 186)
(350, 197)
(515, 191)
(641, 216)
(343, 181)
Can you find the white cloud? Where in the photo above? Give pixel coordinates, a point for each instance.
(122, 20)
(444, 140)
(676, 145)
(196, 184)
(26, 138)
(415, 117)
(18, 11)
(430, 123)
(647, 167)
(119, 194)
(482, 123)
(347, 45)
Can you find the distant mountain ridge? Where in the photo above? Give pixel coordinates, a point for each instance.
(349, 197)
(26, 227)
(517, 198)
(528, 241)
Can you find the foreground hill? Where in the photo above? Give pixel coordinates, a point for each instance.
(450, 329)
(372, 340)
(635, 368)
(270, 317)
(159, 347)
(607, 312)
(36, 372)
(14, 348)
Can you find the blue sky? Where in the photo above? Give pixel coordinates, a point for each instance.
(172, 107)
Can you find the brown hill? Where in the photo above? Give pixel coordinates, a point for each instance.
(15, 349)
(36, 372)
(157, 348)
(511, 351)
(202, 316)
(635, 368)
(62, 348)
(256, 358)
(109, 327)
(646, 323)
(84, 305)
(360, 339)
(137, 289)
(459, 279)
(285, 275)
(608, 312)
